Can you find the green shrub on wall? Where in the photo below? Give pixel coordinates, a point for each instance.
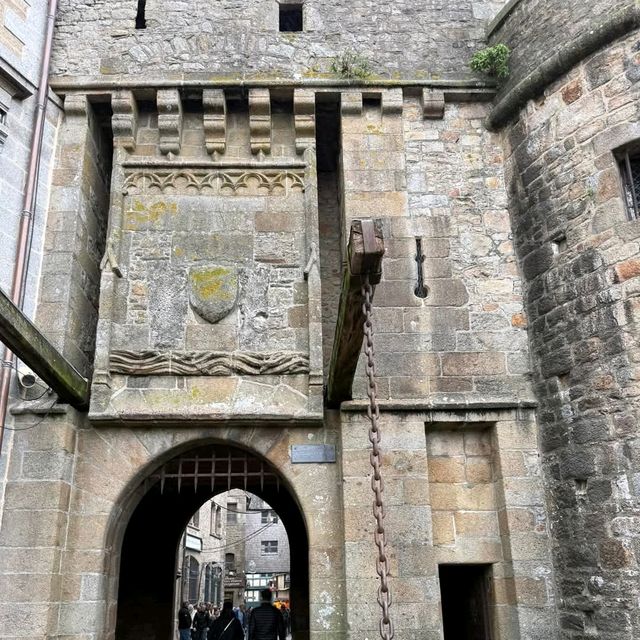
(351, 65)
(492, 61)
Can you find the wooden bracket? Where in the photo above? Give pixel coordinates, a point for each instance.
(365, 251)
(21, 336)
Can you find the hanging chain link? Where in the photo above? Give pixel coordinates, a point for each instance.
(382, 561)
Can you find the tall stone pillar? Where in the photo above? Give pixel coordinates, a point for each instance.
(34, 523)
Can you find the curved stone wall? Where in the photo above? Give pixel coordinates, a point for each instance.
(230, 37)
(535, 29)
(579, 255)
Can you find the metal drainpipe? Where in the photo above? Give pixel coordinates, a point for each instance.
(21, 264)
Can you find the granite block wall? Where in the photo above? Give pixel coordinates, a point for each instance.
(546, 29)
(230, 37)
(22, 31)
(578, 251)
(466, 338)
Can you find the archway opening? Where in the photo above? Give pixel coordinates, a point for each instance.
(151, 578)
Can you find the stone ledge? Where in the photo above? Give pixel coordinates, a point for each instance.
(501, 16)
(195, 163)
(455, 89)
(442, 404)
(20, 85)
(616, 26)
(165, 421)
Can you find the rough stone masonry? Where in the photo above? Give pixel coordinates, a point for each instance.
(206, 174)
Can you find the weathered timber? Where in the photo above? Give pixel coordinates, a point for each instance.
(365, 251)
(23, 338)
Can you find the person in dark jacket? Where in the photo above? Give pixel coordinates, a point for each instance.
(184, 622)
(201, 622)
(226, 626)
(266, 621)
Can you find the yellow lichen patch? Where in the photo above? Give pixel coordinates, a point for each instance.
(140, 216)
(212, 283)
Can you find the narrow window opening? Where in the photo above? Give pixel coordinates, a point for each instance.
(421, 290)
(559, 245)
(465, 594)
(630, 170)
(232, 512)
(141, 21)
(291, 17)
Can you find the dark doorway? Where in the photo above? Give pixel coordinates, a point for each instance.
(149, 559)
(465, 593)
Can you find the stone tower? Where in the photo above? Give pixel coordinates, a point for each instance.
(211, 161)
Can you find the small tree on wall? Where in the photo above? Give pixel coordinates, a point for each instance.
(492, 61)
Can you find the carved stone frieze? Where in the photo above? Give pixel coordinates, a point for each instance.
(207, 363)
(214, 181)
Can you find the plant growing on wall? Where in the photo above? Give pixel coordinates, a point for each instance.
(492, 61)
(351, 65)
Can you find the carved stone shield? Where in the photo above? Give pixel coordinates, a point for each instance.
(213, 291)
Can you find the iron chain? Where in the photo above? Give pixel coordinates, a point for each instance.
(377, 485)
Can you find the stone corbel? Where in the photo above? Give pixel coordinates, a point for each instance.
(351, 103)
(76, 105)
(169, 120)
(304, 109)
(124, 121)
(432, 104)
(392, 101)
(215, 120)
(260, 120)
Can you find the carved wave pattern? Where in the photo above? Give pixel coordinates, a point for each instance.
(207, 363)
(214, 181)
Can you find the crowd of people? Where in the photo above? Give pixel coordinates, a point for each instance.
(207, 622)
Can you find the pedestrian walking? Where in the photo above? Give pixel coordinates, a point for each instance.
(266, 622)
(184, 622)
(244, 621)
(201, 621)
(227, 626)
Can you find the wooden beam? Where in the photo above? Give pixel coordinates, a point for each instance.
(21, 336)
(365, 251)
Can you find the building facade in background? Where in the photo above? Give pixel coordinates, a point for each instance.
(266, 553)
(202, 556)
(234, 546)
(198, 190)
